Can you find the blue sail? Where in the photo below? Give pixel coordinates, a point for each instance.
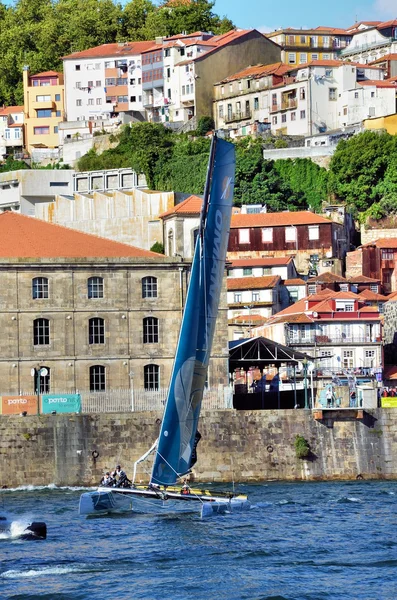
(178, 434)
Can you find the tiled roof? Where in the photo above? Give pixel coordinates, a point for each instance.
(248, 319)
(252, 283)
(46, 74)
(277, 219)
(324, 307)
(384, 24)
(28, 237)
(362, 279)
(105, 50)
(190, 206)
(368, 309)
(383, 58)
(327, 277)
(296, 281)
(368, 295)
(295, 318)
(330, 63)
(8, 110)
(258, 71)
(223, 40)
(379, 84)
(182, 36)
(266, 261)
(383, 243)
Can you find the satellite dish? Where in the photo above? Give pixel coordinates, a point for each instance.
(329, 254)
(310, 367)
(43, 372)
(315, 314)
(33, 372)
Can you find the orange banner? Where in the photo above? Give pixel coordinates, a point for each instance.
(15, 405)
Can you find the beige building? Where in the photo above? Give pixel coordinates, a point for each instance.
(89, 313)
(299, 46)
(44, 105)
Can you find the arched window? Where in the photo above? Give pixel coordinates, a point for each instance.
(41, 332)
(39, 288)
(95, 287)
(97, 378)
(151, 377)
(96, 331)
(149, 287)
(150, 330)
(170, 243)
(43, 380)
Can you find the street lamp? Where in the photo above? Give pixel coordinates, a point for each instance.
(248, 307)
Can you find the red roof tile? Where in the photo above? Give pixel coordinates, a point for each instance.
(384, 58)
(368, 295)
(258, 71)
(362, 279)
(224, 40)
(379, 84)
(28, 237)
(260, 262)
(252, 283)
(105, 50)
(46, 74)
(390, 372)
(277, 219)
(296, 281)
(190, 206)
(327, 277)
(8, 110)
(383, 243)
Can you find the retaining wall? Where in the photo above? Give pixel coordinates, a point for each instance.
(242, 446)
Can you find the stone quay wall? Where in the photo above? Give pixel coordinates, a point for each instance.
(240, 446)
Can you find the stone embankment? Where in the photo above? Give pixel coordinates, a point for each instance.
(240, 446)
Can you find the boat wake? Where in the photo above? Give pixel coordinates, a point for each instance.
(45, 571)
(50, 486)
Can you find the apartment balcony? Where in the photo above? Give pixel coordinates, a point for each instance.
(333, 340)
(344, 372)
(238, 116)
(285, 105)
(365, 47)
(48, 104)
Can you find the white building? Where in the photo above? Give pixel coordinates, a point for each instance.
(11, 130)
(338, 329)
(104, 82)
(302, 101)
(371, 40)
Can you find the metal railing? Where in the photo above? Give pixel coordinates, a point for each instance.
(284, 105)
(137, 400)
(237, 116)
(333, 339)
(357, 49)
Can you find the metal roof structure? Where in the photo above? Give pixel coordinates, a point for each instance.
(262, 352)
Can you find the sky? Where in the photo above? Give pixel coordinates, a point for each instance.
(267, 15)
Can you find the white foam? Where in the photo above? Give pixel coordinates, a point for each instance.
(50, 486)
(44, 571)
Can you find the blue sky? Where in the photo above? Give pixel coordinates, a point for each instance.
(267, 16)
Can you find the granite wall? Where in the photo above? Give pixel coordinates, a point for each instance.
(242, 446)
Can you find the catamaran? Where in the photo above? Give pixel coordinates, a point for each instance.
(175, 449)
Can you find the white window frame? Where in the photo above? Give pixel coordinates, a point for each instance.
(244, 236)
(267, 235)
(290, 234)
(314, 232)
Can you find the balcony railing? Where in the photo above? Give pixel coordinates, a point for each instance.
(364, 47)
(237, 116)
(284, 105)
(323, 340)
(345, 372)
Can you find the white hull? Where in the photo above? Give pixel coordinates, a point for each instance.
(114, 500)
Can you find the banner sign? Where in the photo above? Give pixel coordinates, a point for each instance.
(388, 402)
(15, 405)
(60, 403)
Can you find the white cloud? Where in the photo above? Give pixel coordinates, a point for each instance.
(386, 8)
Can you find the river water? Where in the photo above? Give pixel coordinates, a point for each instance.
(312, 541)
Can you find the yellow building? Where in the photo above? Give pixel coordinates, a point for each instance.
(300, 46)
(388, 123)
(44, 100)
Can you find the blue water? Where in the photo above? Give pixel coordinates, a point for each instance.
(309, 541)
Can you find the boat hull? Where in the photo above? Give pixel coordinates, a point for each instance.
(146, 501)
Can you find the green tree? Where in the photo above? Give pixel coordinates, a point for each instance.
(359, 165)
(177, 16)
(135, 15)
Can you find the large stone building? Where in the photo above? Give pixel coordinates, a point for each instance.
(79, 312)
